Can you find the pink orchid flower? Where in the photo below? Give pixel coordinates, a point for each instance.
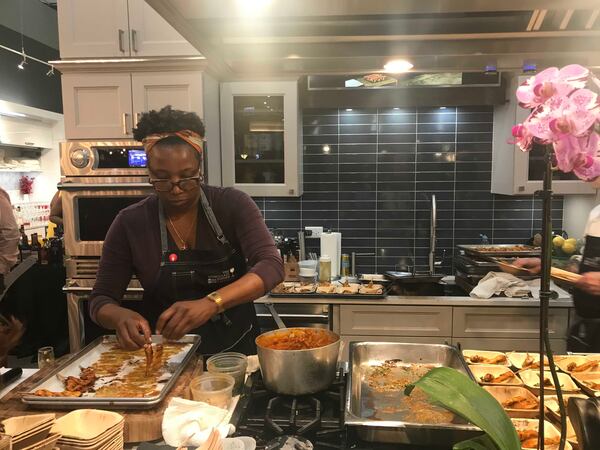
(522, 137)
(549, 82)
(579, 155)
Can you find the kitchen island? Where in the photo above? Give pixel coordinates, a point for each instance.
(499, 323)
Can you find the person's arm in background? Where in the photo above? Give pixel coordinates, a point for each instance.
(114, 273)
(589, 281)
(56, 210)
(10, 335)
(9, 237)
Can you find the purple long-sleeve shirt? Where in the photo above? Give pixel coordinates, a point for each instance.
(132, 244)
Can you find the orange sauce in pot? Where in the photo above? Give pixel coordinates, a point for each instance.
(296, 339)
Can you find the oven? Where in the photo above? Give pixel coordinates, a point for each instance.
(109, 158)
(90, 206)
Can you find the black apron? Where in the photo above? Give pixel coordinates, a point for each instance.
(193, 274)
(584, 335)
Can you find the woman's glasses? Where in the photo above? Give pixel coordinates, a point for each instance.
(165, 185)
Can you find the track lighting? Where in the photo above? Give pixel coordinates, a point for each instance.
(21, 65)
(50, 71)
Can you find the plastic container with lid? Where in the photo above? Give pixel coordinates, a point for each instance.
(230, 363)
(324, 269)
(216, 389)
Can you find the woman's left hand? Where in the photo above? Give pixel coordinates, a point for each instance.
(589, 282)
(184, 316)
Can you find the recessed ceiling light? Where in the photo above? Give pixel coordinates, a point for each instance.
(396, 108)
(348, 109)
(397, 66)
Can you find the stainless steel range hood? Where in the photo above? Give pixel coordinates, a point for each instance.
(289, 37)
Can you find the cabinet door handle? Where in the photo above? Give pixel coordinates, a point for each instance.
(121, 35)
(134, 40)
(125, 123)
(136, 119)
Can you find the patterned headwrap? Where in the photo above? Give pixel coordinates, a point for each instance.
(191, 137)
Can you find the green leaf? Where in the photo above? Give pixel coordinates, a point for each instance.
(461, 395)
(482, 442)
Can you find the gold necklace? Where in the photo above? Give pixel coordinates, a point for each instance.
(183, 241)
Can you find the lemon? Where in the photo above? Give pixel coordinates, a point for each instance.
(571, 241)
(558, 241)
(569, 248)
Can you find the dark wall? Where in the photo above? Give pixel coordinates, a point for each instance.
(31, 86)
(376, 182)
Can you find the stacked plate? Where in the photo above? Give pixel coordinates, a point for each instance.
(31, 432)
(90, 429)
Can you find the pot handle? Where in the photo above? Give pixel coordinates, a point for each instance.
(275, 315)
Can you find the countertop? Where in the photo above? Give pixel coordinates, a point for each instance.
(397, 300)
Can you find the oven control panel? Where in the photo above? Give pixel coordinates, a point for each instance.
(107, 158)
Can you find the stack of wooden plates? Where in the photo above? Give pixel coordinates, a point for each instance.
(90, 429)
(32, 432)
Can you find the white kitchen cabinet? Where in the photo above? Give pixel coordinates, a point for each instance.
(91, 28)
(151, 35)
(261, 137)
(25, 132)
(97, 105)
(108, 105)
(499, 322)
(153, 90)
(116, 28)
(379, 320)
(515, 172)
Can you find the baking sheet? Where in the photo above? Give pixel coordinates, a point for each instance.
(501, 250)
(91, 354)
(362, 400)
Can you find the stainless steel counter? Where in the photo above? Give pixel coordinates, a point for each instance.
(392, 300)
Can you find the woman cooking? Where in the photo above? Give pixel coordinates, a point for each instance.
(202, 253)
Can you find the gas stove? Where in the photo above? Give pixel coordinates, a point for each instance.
(319, 418)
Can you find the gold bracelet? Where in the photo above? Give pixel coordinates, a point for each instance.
(217, 300)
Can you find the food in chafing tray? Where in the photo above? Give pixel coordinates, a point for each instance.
(520, 402)
(389, 379)
(326, 288)
(121, 373)
(347, 288)
(527, 430)
(284, 288)
(371, 288)
(485, 357)
(305, 288)
(296, 339)
(504, 249)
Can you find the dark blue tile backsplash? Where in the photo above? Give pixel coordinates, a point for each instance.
(370, 174)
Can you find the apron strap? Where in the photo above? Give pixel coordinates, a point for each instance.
(164, 240)
(212, 220)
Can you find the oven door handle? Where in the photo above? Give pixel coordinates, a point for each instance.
(324, 317)
(92, 187)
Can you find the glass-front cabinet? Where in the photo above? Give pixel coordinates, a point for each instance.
(261, 137)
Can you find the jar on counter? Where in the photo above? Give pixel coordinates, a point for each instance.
(325, 269)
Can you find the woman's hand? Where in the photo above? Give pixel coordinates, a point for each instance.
(133, 331)
(182, 317)
(589, 282)
(532, 264)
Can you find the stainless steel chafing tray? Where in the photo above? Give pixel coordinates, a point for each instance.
(361, 400)
(502, 250)
(91, 354)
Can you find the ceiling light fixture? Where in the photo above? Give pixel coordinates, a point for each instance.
(349, 109)
(398, 66)
(21, 65)
(50, 71)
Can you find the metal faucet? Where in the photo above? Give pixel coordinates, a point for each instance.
(432, 235)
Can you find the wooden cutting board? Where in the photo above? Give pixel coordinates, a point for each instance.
(140, 426)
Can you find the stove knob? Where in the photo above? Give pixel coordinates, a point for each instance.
(80, 157)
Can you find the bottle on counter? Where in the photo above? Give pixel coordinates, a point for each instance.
(43, 253)
(325, 269)
(24, 242)
(345, 266)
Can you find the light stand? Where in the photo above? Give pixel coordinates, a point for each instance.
(545, 293)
